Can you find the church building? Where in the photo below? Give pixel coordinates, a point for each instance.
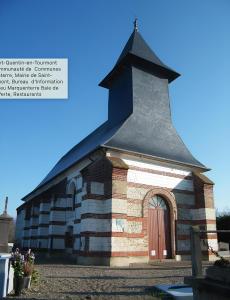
(130, 191)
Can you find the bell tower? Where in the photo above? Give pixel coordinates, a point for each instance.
(139, 104)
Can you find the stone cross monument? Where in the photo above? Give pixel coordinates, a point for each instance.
(5, 221)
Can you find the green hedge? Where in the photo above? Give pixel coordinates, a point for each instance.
(223, 223)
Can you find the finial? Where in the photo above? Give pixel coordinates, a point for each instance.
(6, 203)
(135, 24)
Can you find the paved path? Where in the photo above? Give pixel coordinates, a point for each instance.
(59, 281)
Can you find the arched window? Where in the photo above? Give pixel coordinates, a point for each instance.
(157, 202)
(72, 191)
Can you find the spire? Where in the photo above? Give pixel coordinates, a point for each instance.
(135, 23)
(138, 53)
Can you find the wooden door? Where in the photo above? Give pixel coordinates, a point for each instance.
(159, 229)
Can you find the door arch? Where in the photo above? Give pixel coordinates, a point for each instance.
(159, 228)
(170, 202)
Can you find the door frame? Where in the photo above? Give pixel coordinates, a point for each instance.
(171, 201)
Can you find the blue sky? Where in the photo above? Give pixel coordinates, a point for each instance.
(192, 37)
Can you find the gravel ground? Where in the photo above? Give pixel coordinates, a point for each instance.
(61, 281)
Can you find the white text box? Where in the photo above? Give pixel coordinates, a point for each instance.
(34, 78)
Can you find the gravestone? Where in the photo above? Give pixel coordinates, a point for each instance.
(5, 222)
(216, 283)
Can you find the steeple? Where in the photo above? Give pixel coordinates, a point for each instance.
(137, 52)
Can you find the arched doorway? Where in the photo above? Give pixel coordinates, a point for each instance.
(159, 228)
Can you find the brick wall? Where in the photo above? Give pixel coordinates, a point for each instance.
(110, 211)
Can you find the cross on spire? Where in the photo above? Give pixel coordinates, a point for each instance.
(135, 23)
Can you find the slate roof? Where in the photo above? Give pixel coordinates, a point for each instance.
(123, 135)
(93, 141)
